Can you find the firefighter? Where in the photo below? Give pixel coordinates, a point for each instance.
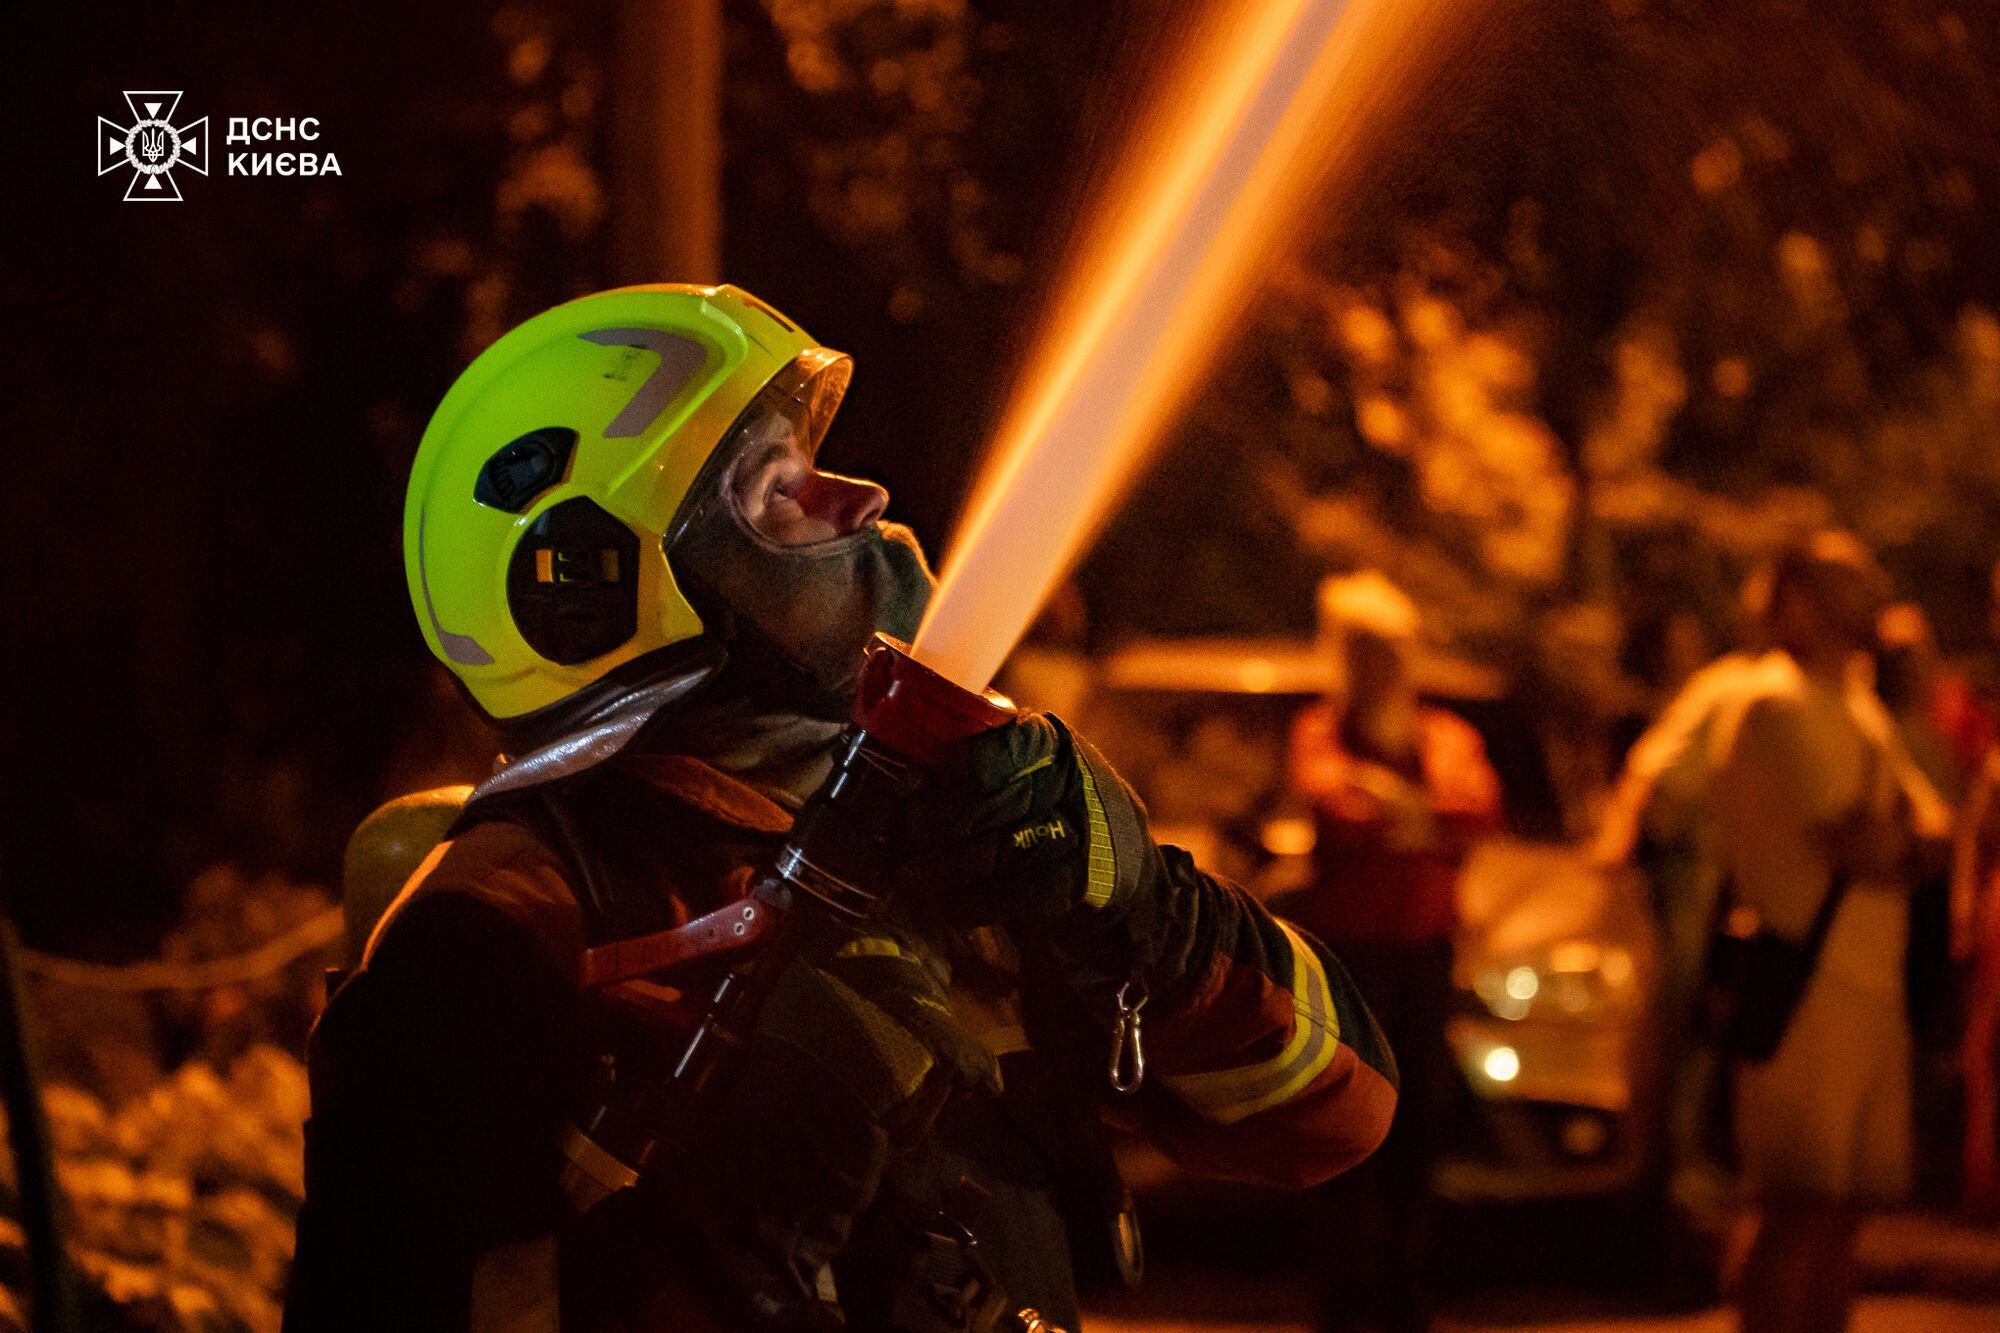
(619, 542)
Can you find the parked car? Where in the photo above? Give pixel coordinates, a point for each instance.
(1556, 974)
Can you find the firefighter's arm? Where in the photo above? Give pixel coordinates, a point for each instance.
(1264, 1063)
(442, 1073)
(436, 1070)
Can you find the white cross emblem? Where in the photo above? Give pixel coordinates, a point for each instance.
(152, 146)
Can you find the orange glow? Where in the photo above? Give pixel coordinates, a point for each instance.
(1269, 104)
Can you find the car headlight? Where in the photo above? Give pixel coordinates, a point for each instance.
(1502, 1064)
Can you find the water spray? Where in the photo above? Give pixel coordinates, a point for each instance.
(1273, 101)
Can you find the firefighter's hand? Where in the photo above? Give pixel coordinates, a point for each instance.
(1035, 827)
(853, 1054)
(869, 1003)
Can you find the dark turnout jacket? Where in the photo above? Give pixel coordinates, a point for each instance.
(445, 1070)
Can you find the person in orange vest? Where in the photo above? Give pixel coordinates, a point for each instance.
(1399, 792)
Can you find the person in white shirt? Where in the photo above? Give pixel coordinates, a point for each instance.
(1813, 789)
(1661, 820)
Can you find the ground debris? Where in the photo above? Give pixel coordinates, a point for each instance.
(182, 1202)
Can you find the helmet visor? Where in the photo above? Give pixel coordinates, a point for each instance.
(789, 416)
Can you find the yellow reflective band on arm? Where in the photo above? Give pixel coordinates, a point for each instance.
(1228, 1095)
(1103, 868)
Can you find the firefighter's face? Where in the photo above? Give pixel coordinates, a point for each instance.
(779, 491)
(802, 557)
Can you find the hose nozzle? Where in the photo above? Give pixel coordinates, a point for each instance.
(923, 716)
(908, 721)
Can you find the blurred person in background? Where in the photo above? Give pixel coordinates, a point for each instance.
(1664, 647)
(1816, 796)
(1934, 705)
(1661, 792)
(1937, 719)
(1980, 722)
(1975, 944)
(1399, 792)
(1661, 819)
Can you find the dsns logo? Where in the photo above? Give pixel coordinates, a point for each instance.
(152, 146)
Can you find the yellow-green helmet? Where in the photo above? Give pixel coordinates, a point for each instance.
(553, 470)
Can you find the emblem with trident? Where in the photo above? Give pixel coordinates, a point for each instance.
(152, 146)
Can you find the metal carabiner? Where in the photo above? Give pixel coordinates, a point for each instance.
(1128, 1052)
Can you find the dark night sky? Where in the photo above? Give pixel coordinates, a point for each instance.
(199, 382)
